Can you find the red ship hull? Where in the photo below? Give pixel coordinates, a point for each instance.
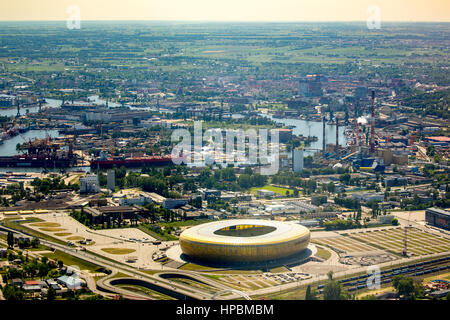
(132, 162)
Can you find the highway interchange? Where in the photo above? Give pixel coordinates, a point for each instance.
(159, 281)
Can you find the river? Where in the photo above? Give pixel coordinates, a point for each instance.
(313, 128)
(300, 127)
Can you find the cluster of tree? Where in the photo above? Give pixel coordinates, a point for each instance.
(18, 192)
(407, 288)
(227, 179)
(157, 213)
(81, 217)
(330, 187)
(22, 243)
(47, 185)
(31, 268)
(13, 293)
(311, 294)
(333, 290)
(219, 204)
(247, 181)
(416, 203)
(160, 181)
(376, 210)
(340, 224)
(306, 173)
(347, 203)
(318, 200)
(27, 243)
(430, 103)
(292, 179)
(196, 202)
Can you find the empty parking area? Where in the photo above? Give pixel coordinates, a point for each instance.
(345, 244)
(259, 281)
(246, 282)
(419, 242)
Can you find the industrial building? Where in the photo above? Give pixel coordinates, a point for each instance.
(311, 86)
(367, 197)
(438, 218)
(395, 181)
(284, 135)
(231, 241)
(297, 160)
(98, 215)
(174, 203)
(111, 179)
(89, 184)
(265, 193)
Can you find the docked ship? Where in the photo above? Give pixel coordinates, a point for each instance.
(41, 153)
(133, 162)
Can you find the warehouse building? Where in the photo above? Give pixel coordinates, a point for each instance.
(438, 218)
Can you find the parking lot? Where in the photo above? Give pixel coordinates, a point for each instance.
(262, 280)
(377, 241)
(419, 242)
(344, 244)
(127, 245)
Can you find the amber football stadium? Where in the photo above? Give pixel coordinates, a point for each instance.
(236, 241)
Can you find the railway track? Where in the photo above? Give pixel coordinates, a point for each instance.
(386, 276)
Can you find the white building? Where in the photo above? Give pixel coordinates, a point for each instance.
(304, 206)
(97, 116)
(89, 184)
(297, 160)
(275, 209)
(142, 199)
(265, 193)
(368, 196)
(303, 87)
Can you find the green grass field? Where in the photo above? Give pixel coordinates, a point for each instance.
(18, 225)
(281, 191)
(249, 232)
(119, 251)
(195, 267)
(324, 254)
(69, 260)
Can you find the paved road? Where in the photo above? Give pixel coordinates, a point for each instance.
(193, 275)
(197, 293)
(293, 285)
(129, 271)
(103, 283)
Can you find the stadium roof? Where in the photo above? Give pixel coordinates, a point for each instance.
(284, 231)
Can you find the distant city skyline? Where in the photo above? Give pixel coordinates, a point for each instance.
(230, 10)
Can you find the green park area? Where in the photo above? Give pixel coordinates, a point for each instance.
(119, 251)
(69, 260)
(279, 190)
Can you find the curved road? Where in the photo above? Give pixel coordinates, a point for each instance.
(127, 270)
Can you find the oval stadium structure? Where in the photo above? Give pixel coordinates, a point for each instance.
(244, 240)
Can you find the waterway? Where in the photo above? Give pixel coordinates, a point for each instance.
(313, 128)
(299, 127)
(50, 103)
(8, 148)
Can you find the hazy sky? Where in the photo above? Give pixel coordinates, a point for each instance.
(227, 10)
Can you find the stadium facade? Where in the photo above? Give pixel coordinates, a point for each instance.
(234, 241)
